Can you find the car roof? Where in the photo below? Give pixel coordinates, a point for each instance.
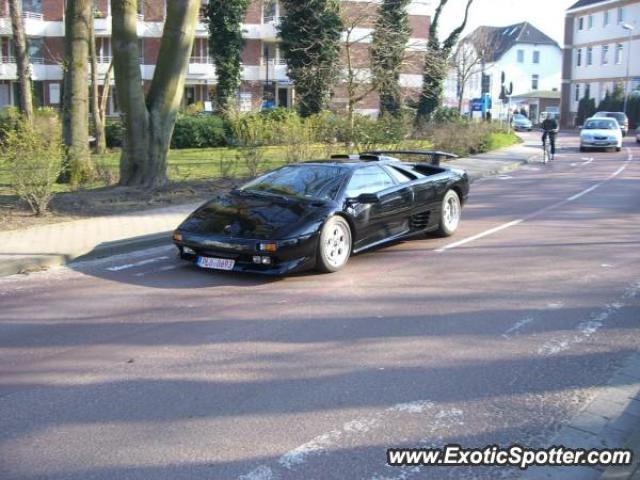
(610, 114)
(354, 161)
(602, 119)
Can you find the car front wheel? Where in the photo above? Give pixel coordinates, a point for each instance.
(450, 214)
(335, 245)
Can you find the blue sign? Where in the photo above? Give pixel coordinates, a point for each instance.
(476, 104)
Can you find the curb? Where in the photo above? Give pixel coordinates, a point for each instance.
(610, 420)
(43, 262)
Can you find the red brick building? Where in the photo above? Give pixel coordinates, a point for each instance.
(264, 74)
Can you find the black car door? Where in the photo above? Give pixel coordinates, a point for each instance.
(388, 217)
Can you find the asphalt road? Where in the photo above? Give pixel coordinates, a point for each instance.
(142, 367)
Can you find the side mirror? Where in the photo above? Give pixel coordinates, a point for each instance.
(367, 198)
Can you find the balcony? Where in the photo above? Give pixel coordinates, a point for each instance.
(202, 68)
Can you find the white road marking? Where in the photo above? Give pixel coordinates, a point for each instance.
(555, 306)
(514, 223)
(141, 263)
(587, 162)
(590, 327)
(357, 430)
(516, 328)
(157, 270)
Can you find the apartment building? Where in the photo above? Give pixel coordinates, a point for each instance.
(602, 42)
(264, 80)
(529, 58)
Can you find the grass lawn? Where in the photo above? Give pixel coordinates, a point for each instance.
(502, 139)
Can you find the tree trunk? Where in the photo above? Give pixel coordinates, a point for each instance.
(97, 117)
(148, 126)
(23, 62)
(75, 112)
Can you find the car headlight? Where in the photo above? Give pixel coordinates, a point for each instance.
(613, 138)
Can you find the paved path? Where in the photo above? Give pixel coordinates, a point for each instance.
(57, 244)
(144, 367)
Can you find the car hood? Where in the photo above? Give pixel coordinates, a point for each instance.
(599, 133)
(252, 217)
(522, 122)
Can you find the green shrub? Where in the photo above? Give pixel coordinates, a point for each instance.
(447, 115)
(10, 119)
(34, 156)
(199, 131)
(468, 138)
(113, 133)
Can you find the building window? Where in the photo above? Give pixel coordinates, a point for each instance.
(581, 23)
(589, 55)
(579, 57)
(31, 6)
(269, 11)
(587, 90)
(577, 97)
(520, 56)
(605, 18)
(619, 50)
(590, 22)
(620, 14)
(36, 49)
(535, 80)
(536, 56)
(605, 54)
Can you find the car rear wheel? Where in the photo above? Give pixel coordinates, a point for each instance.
(335, 245)
(450, 214)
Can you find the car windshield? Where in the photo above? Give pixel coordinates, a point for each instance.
(619, 116)
(519, 116)
(600, 125)
(314, 182)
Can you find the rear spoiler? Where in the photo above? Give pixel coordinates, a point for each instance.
(434, 157)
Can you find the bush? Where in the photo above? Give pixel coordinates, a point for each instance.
(199, 131)
(468, 138)
(34, 156)
(113, 133)
(10, 119)
(447, 115)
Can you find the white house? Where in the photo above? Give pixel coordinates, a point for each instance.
(530, 59)
(602, 41)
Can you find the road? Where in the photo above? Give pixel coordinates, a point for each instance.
(143, 367)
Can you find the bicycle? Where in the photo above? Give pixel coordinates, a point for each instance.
(546, 151)
(547, 155)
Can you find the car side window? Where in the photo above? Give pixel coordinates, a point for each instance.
(400, 175)
(368, 180)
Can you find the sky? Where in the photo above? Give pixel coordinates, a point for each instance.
(546, 15)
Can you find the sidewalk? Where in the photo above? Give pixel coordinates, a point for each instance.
(51, 245)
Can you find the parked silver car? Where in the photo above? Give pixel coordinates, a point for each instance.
(520, 122)
(621, 117)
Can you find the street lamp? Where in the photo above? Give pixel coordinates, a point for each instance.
(629, 28)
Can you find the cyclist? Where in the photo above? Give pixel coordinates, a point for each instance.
(550, 129)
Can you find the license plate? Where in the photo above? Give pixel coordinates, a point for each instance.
(602, 143)
(216, 263)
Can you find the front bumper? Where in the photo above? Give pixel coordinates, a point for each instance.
(293, 255)
(599, 143)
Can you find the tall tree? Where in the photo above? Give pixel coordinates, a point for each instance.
(391, 35)
(437, 61)
(75, 110)
(97, 115)
(148, 123)
(23, 62)
(225, 46)
(310, 33)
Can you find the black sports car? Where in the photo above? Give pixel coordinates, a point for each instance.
(316, 214)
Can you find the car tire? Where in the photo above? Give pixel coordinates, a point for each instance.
(450, 213)
(334, 247)
(582, 149)
(618, 149)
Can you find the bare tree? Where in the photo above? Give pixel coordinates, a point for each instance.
(437, 60)
(23, 62)
(97, 114)
(356, 56)
(468, 59)
(75, 111)
(148, 123)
